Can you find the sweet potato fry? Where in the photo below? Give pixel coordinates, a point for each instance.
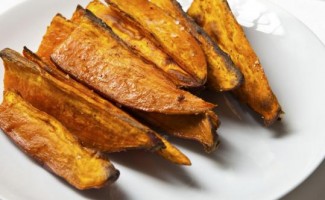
(58, 31)
(49, 42)
(46, 140)
(223, 75)
(173, 38)
(140, 43)
(172, 154)
(94, 55)
(169, 152)
(94, 121)
(200, 128)
(218, 21)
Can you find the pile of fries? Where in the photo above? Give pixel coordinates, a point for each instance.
(95, 76)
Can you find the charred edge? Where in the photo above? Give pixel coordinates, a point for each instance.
(113, 177)
(277, 117)
(194, 27)
(15, 57)
(102, 25)
(216, 140)
(198, 82)
(30, 55)
(159, 144)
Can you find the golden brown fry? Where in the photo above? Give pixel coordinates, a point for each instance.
(95, 122)
(172, 154)
(49, 42)
(218, 21)
(56, 33)
(141, 43)
(94, 55)
(169, 152)
(172, 36)
(46, 140)
(201, 128)
(222, 73)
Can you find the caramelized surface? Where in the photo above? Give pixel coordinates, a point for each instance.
(46, 140)
(172, 36)
(218, 21)
(94, 55)
(201, 128)
(141, 43)
(169, 152)
(222, 73)
(56, 33)
(95, 122)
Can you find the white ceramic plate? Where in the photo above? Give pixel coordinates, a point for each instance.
(253, 162)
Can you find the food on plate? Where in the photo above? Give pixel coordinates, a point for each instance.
(69, 103)
(95, 122)
(223, 75)
(46, 140)
(172, 36)
(200, 128)
(95, 56)
(218, 21)
(141, 43)
(165, 149)
(56, 33)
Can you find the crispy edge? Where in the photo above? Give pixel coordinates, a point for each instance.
(17, 118)
(141, 43)
(267, 106)
(223, 75)
(202, 69)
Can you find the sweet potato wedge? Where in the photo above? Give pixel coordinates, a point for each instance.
(58, 31)
(200, 128)
(46, 140)
(140, 43)
(223, 75)
(52, 39)
(217, 20)
(94, 55)
(94, 121)
(172, 154)
(173, 38)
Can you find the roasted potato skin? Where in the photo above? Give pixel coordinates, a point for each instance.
(201, 128)
(50, 41)
(218, 21)
(95, 56)
(95, 122)
(46, 140)
(172, 36)
(162, 147)
(141, 43)
(223, 75)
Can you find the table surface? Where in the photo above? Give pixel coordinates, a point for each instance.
(312, 14)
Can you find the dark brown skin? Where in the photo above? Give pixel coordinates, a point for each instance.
(50, 41)
(173, 38)
(200, 128)
(218, 21)
(94, 55)
(141, 43)
(223, 75)
(95, 122)
(46, 140)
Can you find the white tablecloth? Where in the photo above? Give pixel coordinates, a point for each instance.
(312, 14)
